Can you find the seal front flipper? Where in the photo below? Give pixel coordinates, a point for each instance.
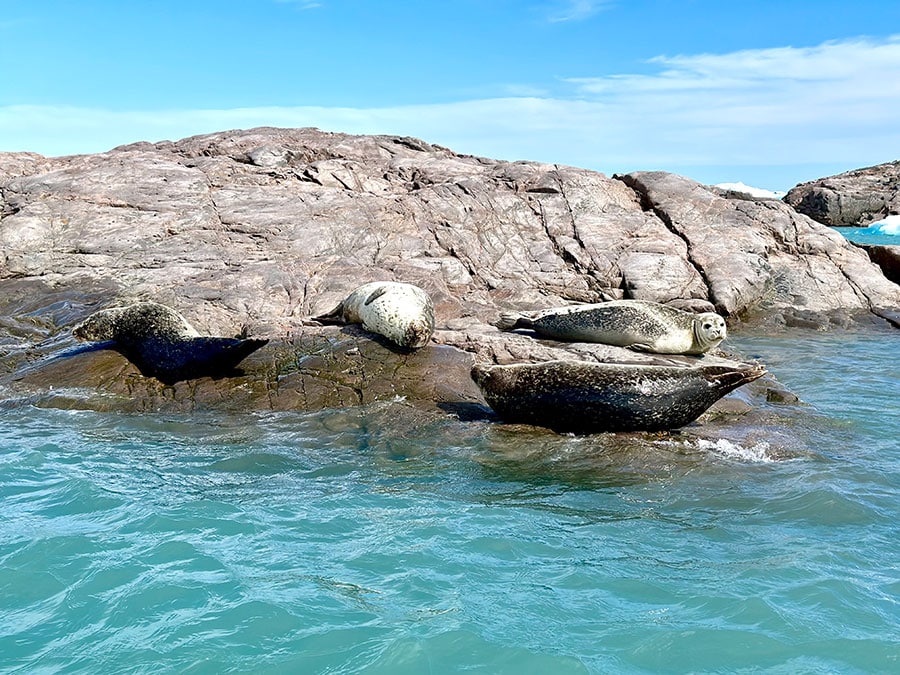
(375, 295)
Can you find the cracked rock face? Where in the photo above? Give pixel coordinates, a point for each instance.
(269, 225)
(254, 231)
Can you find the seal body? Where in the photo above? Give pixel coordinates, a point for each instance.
(585, 397)
(636, 324)
(162, 344)
(403, 313)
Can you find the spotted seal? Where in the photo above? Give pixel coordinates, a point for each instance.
(585, 396)
(637, 324)
(403, 313)
(162, 344)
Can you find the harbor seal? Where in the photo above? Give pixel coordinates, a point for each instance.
(585, 397)
(637, 324)
(402, 313)
(162, 344)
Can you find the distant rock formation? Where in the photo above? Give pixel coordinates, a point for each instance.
(853, 199)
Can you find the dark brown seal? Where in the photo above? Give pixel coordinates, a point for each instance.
(585, 397)
(162, 344)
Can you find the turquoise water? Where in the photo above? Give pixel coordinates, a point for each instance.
(876, 234)
(374, 541)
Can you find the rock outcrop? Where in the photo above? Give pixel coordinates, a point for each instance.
(269, 226)
(853, 199)
(254, 231)
(886, 257)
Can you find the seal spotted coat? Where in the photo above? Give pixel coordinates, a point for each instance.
(585, 396)
(636, 324)
(403, 313)
(162, 344)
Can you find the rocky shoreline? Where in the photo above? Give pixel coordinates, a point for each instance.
(255, 231)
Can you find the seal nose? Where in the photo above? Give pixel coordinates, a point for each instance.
(417, 335)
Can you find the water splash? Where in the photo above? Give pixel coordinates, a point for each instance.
(758, 453)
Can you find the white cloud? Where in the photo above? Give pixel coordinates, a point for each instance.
(837, 82)
(712, 117)
(574, 10)
(301, 4)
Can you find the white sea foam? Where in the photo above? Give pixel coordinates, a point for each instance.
(752, 191)
(759, 452)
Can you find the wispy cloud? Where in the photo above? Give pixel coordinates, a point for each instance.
(300, 4)
(835, 104)
(799, 95)
(574, 10)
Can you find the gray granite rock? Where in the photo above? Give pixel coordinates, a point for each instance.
(887, 257)
(255, 231)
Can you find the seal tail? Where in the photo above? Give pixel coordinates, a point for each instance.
(335, 316)
(513, 320)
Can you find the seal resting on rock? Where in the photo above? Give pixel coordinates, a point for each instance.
(637, 324)
(162, 344)
(402, 313)
(584, 396)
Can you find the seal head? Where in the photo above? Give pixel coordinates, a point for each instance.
(709, 331)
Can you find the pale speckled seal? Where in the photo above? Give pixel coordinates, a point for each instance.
(636, 324)
(586, 397)
(162, 344)
(403, 313)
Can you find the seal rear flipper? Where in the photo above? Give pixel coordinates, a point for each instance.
(223, 354)
(727, 379)
(334, 317)
(512, 321)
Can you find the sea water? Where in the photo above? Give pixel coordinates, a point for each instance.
(334, 543)
(884, 232)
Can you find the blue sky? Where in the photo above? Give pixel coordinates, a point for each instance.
(768, 93)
